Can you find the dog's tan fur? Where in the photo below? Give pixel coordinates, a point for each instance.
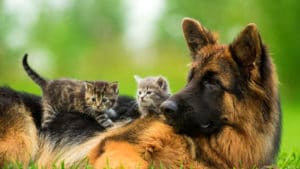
(150, 142)
(18, 136)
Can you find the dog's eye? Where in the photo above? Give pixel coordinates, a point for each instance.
(210, 81)
(211, 84)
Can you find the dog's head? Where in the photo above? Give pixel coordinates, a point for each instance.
(220, 76)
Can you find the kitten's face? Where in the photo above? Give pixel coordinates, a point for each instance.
(110, 96)
(146, 96)
(152, 91)
(94, 95)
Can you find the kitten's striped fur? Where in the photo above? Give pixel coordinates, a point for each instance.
(69, 95)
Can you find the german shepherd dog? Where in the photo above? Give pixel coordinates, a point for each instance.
(227, 116)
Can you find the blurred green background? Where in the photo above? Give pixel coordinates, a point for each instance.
(116, 39)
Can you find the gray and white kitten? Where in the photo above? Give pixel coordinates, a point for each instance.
(151, 92)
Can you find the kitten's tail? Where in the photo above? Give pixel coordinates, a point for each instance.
(32, 74)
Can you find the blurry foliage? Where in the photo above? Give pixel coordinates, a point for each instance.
(80, 29)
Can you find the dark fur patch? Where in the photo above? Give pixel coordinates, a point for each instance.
(72, 127)
(126, 108)
(9, 97)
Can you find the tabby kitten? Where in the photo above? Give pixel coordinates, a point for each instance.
(68, 95)
(151, 92)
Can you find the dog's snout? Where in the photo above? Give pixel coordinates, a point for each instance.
(168, 107)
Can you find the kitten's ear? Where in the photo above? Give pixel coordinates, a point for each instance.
(114, 86)
(88, 86)
(247, 47)
(162, 83)
(137, 78)
(196, 35)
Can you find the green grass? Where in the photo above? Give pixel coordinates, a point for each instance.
(290, 128)
(289, 160)
(285, 161)
(83, 164)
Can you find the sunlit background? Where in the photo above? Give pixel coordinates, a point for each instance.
(116, 39)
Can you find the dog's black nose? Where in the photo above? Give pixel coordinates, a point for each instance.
(168, 107)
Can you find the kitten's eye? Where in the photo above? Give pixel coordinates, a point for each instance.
(148, 92)
(94, 99)
(104, 100)
(140, 92)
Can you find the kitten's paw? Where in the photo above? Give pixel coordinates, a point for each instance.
(107, 123)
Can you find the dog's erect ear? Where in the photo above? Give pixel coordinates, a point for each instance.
(196, 35)
(247, 47)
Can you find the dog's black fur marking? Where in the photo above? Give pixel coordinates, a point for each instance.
(71, 127)
(9, 97)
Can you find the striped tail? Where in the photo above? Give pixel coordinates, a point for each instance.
(32, 74)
